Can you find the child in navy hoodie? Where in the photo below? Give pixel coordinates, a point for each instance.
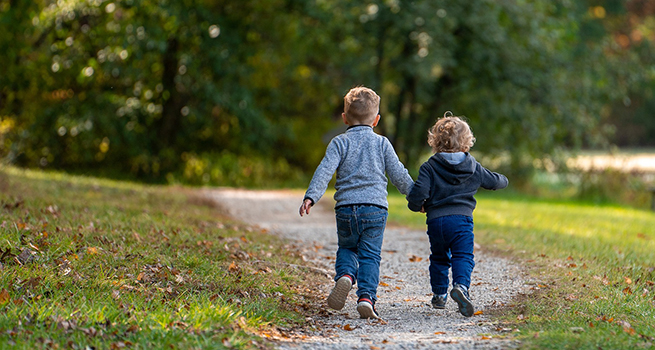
(444, 190)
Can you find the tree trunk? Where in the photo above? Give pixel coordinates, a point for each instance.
(170, 119)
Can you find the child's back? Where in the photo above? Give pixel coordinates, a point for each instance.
(444, 190)
(360, 158)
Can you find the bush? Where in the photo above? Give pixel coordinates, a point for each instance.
(236, 170)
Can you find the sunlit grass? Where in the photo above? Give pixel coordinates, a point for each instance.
(592, 266)
(105, 264)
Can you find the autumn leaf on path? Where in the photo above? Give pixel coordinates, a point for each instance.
(415, 258)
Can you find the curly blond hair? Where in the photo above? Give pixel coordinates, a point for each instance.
(450, 134)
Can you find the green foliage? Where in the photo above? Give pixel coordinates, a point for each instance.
(133, 85)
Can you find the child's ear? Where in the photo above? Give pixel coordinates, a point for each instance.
(377, 120)
(343, 116)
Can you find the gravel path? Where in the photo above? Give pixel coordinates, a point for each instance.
(404, 293)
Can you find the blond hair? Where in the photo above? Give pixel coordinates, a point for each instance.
(450, 134)
(361, 105)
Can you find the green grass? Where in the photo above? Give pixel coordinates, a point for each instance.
(91, 263)
(593, 266)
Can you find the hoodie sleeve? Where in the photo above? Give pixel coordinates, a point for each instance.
(421, 190)
(323, 173)
(491, 180)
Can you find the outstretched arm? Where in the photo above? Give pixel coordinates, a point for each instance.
(322, 177)
(397, 172)
(420, 192)
(492, 180)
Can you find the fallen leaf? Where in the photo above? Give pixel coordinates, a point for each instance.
(439, 332)
(479, 312)
(233, 267)
(4, 296)
(347, 327)
(628, 280)
(571, 297)
(485, 337)
(415, 258)
(92, 250)
(384, 284)
(627, 327)
(627, 291)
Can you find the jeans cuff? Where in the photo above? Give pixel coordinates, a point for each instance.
(440, 290)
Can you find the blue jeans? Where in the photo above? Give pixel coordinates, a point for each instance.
(360, 229)
(451, 243)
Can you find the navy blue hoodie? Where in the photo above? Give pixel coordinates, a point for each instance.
(446, 187)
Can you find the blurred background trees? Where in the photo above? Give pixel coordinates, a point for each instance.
(249, 92)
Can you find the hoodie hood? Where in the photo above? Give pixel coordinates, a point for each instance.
(453, 173)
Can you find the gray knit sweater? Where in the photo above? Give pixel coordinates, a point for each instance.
(360, 157)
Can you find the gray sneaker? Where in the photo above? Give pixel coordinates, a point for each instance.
(439, 302)
(460, 294)
(339, 294)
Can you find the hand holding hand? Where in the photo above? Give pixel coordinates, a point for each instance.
(306, 205)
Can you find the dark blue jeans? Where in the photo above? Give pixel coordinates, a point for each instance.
(360, 229)
(451, 244)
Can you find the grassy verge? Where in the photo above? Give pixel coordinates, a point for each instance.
(594, 266)
(89, 263)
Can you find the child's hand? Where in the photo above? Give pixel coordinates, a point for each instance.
(306, 205)
(422, 209)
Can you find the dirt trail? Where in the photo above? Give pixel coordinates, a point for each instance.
(404, 293)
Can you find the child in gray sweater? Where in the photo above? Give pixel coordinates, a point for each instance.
(360, 158)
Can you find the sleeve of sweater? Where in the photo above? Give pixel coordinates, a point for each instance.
(491, 180)
(395, 169)
(421, 190)
(323, 173)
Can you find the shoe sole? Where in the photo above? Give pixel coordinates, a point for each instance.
(366, 311)
(438, 307)
(465, 305)
(339, 294)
